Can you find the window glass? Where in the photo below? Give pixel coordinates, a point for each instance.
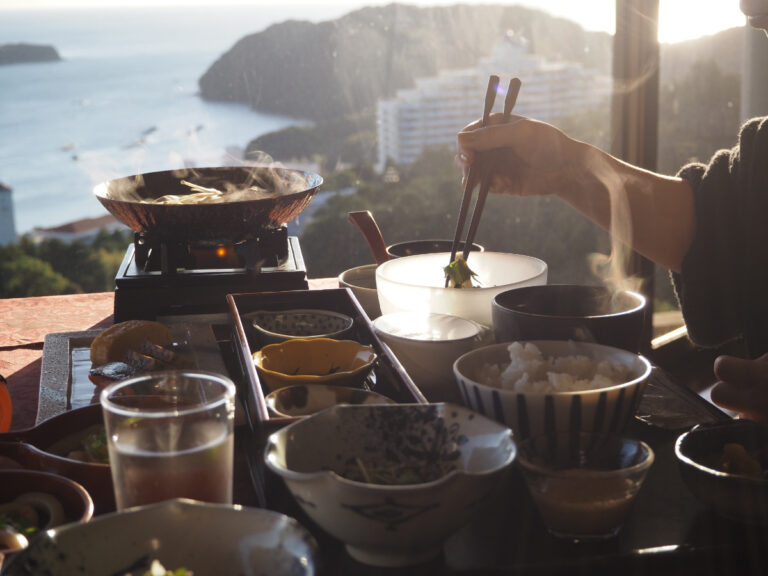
(700, 104)
(368, 95)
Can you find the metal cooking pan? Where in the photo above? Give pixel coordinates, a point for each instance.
(290, 192)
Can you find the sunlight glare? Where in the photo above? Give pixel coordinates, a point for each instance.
(681, 20)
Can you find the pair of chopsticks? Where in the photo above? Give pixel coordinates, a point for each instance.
(481, 162)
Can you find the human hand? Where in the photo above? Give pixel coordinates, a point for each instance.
(742, 386)
(524, 157)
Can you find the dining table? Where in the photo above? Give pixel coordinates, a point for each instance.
(669, 531)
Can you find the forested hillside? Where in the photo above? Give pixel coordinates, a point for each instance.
(340, 67)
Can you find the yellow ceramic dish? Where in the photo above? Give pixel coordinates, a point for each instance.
(314, 361)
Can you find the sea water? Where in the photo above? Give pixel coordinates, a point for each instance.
(123, 100)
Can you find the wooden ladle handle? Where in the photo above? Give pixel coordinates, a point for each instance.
(370, 230)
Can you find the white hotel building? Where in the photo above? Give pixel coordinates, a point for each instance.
(431, 113)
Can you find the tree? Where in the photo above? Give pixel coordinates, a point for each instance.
(698, 116)
(424, 205)
(56, 267)
(25, 275)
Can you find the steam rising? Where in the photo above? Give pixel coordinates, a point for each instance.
(203, 186)
(613, 269)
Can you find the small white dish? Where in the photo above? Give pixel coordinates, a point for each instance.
(274, 326)
(304, 400)
(427, 344)
(361, 280)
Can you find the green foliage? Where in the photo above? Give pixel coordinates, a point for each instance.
(351, 138)
(424, 204)
(699, 114)
(56, 267)
(325, 70)
(22, 275)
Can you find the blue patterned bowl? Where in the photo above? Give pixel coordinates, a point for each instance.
(391, 482)
(531, 411)
(274, 326)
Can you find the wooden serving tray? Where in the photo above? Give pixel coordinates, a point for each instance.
(388, 376)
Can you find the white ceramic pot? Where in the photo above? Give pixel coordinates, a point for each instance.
(417, 283)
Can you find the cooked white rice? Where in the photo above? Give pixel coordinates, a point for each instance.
(529, 371)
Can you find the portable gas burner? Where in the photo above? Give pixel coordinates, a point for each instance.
(188, 255)
(163, 278)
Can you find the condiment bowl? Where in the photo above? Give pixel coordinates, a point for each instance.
(570, 312)
(53, 446)
(304, 400)
(592, 387)
(361, 280)
(33, 501)
(391, 482)
(314, 361)
(726, 466)
(584, 484)
(272, 326)
(417, 283)
(427, 344)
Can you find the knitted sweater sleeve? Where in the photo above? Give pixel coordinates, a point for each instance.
(726, 266)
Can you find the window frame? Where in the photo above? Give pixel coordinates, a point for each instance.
(635, 110)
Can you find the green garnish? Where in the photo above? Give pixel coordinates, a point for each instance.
(18, 524)
(96, 447)
(459, 274)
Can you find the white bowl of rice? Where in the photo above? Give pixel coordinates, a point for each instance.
(545, 386)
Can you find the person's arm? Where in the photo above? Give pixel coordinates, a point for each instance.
(652, 213)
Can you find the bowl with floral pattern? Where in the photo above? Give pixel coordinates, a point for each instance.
(392, 482)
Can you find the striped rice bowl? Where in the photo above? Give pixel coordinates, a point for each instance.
(547, 386)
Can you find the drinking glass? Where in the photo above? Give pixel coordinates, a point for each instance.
(170, 435)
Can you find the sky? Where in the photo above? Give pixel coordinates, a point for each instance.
(678, 20)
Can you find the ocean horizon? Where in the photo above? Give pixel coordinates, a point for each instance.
(123, 100)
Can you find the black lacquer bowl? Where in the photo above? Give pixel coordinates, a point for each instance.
(719, 464)
(411, 247)
(570, 312)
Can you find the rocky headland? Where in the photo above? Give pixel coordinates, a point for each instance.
(27, 53)
(330, 69)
